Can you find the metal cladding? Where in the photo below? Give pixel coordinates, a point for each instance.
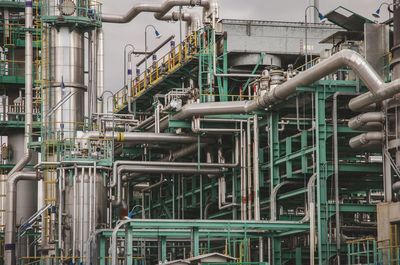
(232, 141)
(66, 91)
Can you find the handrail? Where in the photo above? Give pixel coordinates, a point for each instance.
(158, 70)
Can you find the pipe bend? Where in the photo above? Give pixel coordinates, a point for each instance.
(362, 119)
(169, 4)
(328, 66)
(132, 13)
(366, 138)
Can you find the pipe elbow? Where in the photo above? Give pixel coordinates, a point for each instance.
(364, 139)
(362, 119)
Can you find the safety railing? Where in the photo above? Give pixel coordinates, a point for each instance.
(83, 9)
(159, 70)
(12, 68)
(15, 112)
(362, 251)
(388, 254)
(96, 148)
(369, 251)
(309, 64)
(13, 31)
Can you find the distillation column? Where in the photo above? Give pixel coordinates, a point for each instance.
(80, 191)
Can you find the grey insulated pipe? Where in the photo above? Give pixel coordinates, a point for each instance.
(159, 10)
(328, 66)
(363, 120)
(15, 174)
(384, 92)
(165, 168)
(341, 59)
(144, 137)
(28, 87)
(367, 139)
(11, 199)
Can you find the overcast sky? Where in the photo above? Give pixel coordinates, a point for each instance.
(116, 36)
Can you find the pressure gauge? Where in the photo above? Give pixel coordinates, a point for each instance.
(67, 8)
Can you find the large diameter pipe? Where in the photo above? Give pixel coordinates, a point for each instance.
(11, 199)
(384, 92)
(328, 66)
(159, 10)
(144, 137)
(169, 4)
(9, 254)
(364, 139)
(341, 59)
(363, 119)
(215, 108)
(28, 87)
(132, 13)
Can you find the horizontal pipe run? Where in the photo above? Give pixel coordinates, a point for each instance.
(386, 91)
(363, 119)
(144, 137)
(339, 60)
(159, 10)
(171, 168)
(365, 139)
(328, 66)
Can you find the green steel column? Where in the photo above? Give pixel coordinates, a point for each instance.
(321, 169)
(274, 149)
(277, 251)
(298, 256)
(289, 166)
(196, 241)
(128, 246)
(274, 175)
(163, 249)
(304, 163)
(102, 250)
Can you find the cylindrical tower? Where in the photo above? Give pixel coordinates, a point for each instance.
(65, 111)
(78, 193)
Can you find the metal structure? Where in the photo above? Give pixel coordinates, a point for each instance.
(232, 147)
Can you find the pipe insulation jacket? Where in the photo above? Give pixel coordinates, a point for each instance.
(159, 10)
(345, 58)
(365, 139)
(363, 119)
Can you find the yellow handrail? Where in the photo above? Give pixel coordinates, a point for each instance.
(153, 74)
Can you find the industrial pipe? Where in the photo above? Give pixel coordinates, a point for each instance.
(159, 10)
(169, 4)
(15, 174)
(132, 13)
(364, 119)
(11, 199)
(328, 66)
(100, 68)
(169, 168)
(143, 137)
(366, 138)
(384, 92)
(343, 58)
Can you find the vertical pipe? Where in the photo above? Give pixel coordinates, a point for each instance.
(256, 182)
(9, 254)
(256, 171)
(336, 174)
(100, 68)
(316, 15)
(90, 73)
(93, 99)
(248, 167)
